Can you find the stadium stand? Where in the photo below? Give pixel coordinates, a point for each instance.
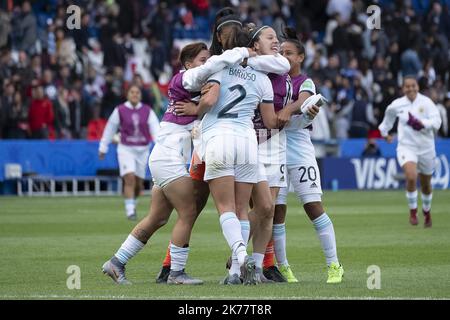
(61, 84)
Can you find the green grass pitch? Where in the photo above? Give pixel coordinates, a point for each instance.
(41, 237)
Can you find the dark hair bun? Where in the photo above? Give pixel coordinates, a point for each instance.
(290, 33)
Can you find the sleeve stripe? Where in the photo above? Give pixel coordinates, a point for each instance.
(267, 101)
(307, 90)
(213, 80)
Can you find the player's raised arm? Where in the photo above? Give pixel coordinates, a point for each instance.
(270, 63)
(110, 130)
(193, 79)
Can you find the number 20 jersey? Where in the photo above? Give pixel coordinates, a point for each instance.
(242, 89)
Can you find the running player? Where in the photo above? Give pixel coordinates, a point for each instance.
(139, 126)
(418, 119)
(302, 170)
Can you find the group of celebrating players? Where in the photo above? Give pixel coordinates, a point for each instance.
(247, 109)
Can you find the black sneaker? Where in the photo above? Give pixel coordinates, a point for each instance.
(163, 274)
(272, 273)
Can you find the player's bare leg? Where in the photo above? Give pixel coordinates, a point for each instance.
(270, 270)
(180, 194)
(224, 193)
(129, 187)
(158, 215)
(427, 196)
(138, 187)
(410, 170)
(201, 192)
(262, 213)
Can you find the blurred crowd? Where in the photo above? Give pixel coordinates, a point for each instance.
(58, 83)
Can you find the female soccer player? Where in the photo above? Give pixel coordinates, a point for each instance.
(271, 160)
(229, 148)
(227, 27)
(418, 119)
(302, 170)
(173, 187)
(138, 125)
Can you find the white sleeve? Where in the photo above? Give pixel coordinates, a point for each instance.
(388, 121)
(308, 86)
(153, 124)
(110, 130)
(193, 79)
(305, 121)
(216, 77)
(270, 63)
(433, 120)
(267, 91)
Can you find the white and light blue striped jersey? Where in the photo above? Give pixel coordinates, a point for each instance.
(242, 89)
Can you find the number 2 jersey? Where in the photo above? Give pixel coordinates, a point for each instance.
(242, 89)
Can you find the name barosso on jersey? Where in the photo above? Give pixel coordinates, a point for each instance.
(245, 75)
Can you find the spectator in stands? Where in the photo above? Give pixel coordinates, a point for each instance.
(81, 36)
(410, 61)
(41, 114)
(65, 49)
(62, 114)
(27, 29)
(447, 108)
(3, 103)
(434, 96)
(5, 28)
(158, 57)
(16, 118)
(371, 150)
(111, 30)
(361, 115)
(96, 125)
(138, 81)
(113, 92)
(49, 85)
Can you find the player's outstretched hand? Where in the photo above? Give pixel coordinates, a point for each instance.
(101, 155)
(185, 108)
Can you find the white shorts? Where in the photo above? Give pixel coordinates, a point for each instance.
(274, 174)
(231, 156)
(167, 165)
(132, 160)
(305, 181)
(425, 162)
